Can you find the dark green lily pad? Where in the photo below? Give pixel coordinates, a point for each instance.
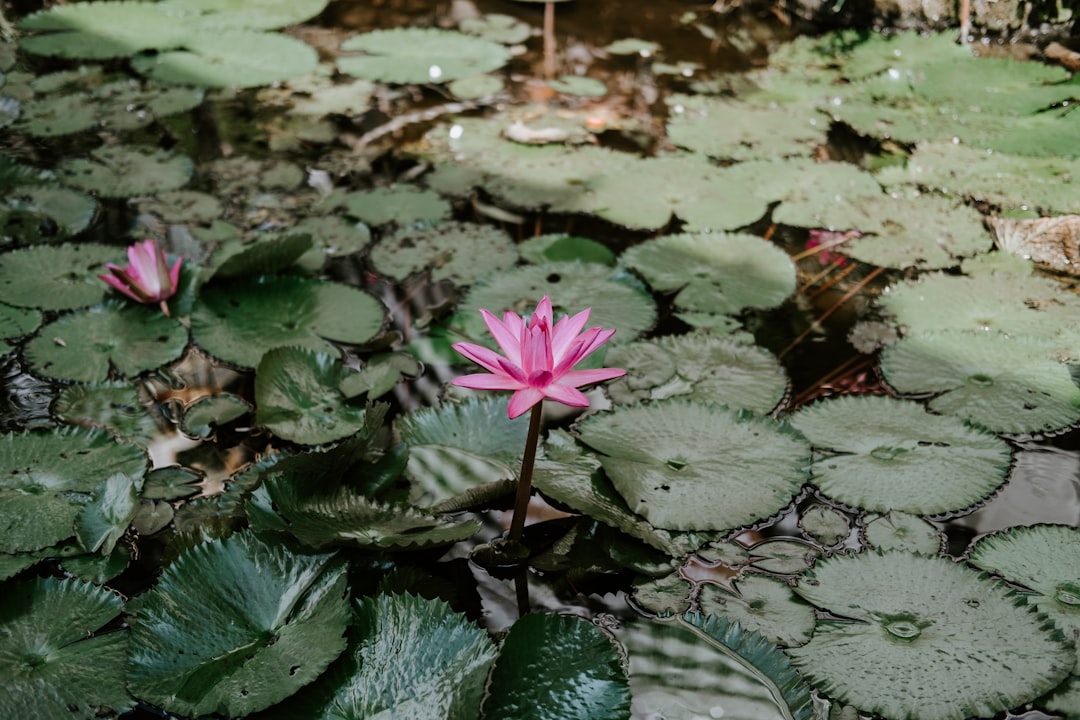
(974, 651)
(237, 625)
(616, 300)
(106, 517)
(72, 211)
(685, 466)
(715, 272)
(560, 247)
(54, 664)
(121, 171)
(120, 105)
(242, 321)
(99, 569)
(230, 58)
(203, 415)
(265, 256)
(152, 517)
(763, 605)
(16, 322)
(171, 482)
(896, 530)
(115, 406)
(419, 55)
(557, 666)
(460, 252)
(884, 454)
(46, 478)
(1006, 384)
(700, 367)
(184, 206)
(60, 277)
(297, 396)
(402, 205)
(115, 336)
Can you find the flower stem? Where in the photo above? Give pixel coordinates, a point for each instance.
(524, 488)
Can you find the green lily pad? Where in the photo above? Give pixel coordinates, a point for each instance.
(419, 55)
(57, 662)
(237, 625)
(826, 525)
(102, 30)
(16, 322)
(497, 27)
(297, 396)
(48, 477)
(152, 517)
(476, 87)
(560, 247)
(202, 416)
(171, 482)
(96, 568)
(616, 300)
(184, 206)
(242, 321)
(121, 171)
(265, 256)
(699, 367)
(578, 85)
(105, 519)
(460, 252)
(883, 454)
(716, 272)
(115, 336)
(250, 14)
(784, 556)
(334, 236)
(120, 105)
(115, 406)
(71, 211)
(402, 205)
(632, 46)
(685, 466)
(557, 666)
(896, 530)
(230, 58)
(763, 605)
(60, 277)
(1006, 384)
(974, 651)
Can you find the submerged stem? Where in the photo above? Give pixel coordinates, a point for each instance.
(524, 489)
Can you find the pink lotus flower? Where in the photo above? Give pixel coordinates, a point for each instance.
(148, 277)
(539, 358)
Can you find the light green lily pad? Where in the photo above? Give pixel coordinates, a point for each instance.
(784, 556)
(699, 367)
(250, 14)
(403, 205)
(115, 406)
(102, 30)
(882, 454)
(232, 58)
(726, 128)
(716, 272)
(685, 466)
(419, 55)
(974, 651)
(47, 478)
(826, 525)
(120, 105)
(57, 660)
(497, 27)
(632, 46)
(1006, 384)
(460, 252)
(184, 206)
(242, 321)
(297, 396)
(115, 336)
(764, 605)
(195, 649)
(578, 85)
(896, 530)
(812, 194)
(60, 277)
(334, 236)
(476, 87)
(121, 171)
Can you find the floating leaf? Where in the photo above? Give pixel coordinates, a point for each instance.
(16, 322)
(242, 321)
(236, 625)
(717, 272)
(114, 336)
(72, 211)
(54, 664)
(402, 205)
(60, 277)
(685, 466)
(826, 525)
(725, 128)
(115, 406)
(557, 666)
(762, 605)
(297, 396)
(497, 27)
(900, 531)
(251, 14)
(884, 454)
(335, 236)
(105, 519)
(102, 30)
(927, 638)
(121, 105)
(265, 256)
(476, 87)
(170, 482)
(203, 415)
(1006, 384)
(232, 58)
(460, 252)
(419, 55)
(184, 206)
(121, 171)
(578, 85)
(560, 247)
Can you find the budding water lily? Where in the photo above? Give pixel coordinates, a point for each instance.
(148, 277)
(538, 362)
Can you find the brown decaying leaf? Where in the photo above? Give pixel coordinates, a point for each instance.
(1053, 241)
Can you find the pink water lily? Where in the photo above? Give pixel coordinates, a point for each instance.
(148, 277)
(539, 358)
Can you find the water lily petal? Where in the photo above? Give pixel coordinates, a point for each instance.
(522, 400)
(486, 381)
(487, 359)
(577, 378)
(503, 332)
(566, 395)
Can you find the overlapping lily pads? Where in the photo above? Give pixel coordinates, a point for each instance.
(927, 638)
(883, 454)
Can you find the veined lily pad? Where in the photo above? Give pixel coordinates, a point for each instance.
(699, 367)
(16, 322)
(115, 406)
(114, 336)
(762, 605)
(724, 128)
(419, 55)
(403, 205)
(559, 247)
(204, 414)
(265, 256)
(826, 525)
(55, 277)
(460, 252)
(335, 236)
(120, 105)
(1006, 384)
(72, 211)
(884, 454)
(297, 396)
(123, 171)
(685, 466)
(232, 58)
(48, 477)
(717, 272)
(105, 519)
(927, 639)
(900, 531)
(241, 322)
(615, 299)
(54, 664)
(237, 625)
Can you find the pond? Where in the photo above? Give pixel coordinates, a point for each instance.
(826, 466)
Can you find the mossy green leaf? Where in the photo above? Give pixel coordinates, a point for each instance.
(247, 14)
